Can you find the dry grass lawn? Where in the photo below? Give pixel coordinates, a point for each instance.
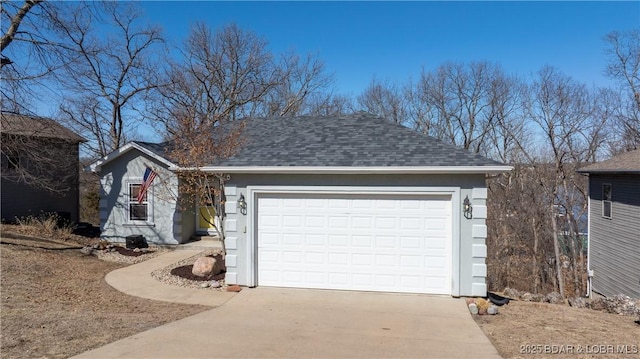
(541, 330)
(56, 304)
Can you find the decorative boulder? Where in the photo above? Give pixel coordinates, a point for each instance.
(511, 293)
(554, 298)
(531, 297)
(578, 302)
(203, 267)
(492, 310)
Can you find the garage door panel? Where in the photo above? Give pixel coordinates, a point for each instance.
(355, 242)
(336, 240)
(361, 222)
(315, 239)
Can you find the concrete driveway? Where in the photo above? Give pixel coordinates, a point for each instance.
(300, 323)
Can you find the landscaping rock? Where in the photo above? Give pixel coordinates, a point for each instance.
(492, 310)
(215, 284)
(473, 308)
(578, 302)
(234, 288)
(203, 267)
(598, 304)
(531, 297)
(205, 285)
(622, 304)
(511, 293)
(554, 298)
(87, 251)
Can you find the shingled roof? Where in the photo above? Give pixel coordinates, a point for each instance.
(23, 125)
(628, 162)
(357, 140)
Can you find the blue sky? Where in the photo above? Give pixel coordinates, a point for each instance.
(395, 40)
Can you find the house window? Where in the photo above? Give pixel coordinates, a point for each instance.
(606, 200)
(138, 210)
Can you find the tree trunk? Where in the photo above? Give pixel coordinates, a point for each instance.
(535, 266)
(556, 249)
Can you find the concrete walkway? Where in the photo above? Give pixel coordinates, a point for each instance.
(136, 280)
(296, 323)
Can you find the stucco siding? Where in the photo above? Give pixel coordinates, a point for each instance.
(166, 223)
(469, 270)
(614, 243)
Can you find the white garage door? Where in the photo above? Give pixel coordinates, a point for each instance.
(384, 243)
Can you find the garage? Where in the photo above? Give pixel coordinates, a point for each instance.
(390, 242)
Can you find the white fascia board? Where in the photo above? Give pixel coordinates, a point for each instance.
(97, 165)
(354, 170)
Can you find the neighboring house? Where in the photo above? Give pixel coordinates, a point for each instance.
(40, 168)
(346, 202)
(614, 225)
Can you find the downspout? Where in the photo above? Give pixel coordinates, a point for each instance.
(589, 208)
(589, 271)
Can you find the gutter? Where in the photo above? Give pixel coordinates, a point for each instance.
(351, 170)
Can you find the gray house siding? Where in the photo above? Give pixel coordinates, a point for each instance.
(167, 223)
(470, 272)
(21, 200)
(614, 243)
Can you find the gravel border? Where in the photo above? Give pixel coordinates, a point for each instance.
(164, 274)
(114, 256)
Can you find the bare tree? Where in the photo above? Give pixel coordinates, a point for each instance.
(298, 80)
(12, 23)
(198, 146)
(385, 99)
(624, 65)
(108, 77)
(328, 104)
(456, 103)
(230, 74)
(29, 52)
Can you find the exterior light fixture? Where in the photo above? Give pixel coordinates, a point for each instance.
(242, 203)
(466, 208)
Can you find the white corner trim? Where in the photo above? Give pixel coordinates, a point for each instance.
(479, 231)
(355, 170)
(97, 165)
(480, 212)
(230, 190)
(479, 193)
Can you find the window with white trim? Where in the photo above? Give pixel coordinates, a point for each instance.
(137, 211)
(606, 200)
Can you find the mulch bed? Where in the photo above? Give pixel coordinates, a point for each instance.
(185, 272)
(130, 252)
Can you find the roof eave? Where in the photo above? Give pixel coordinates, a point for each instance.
(354, 170)
(609, 171)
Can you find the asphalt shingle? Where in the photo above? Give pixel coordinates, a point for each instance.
(357, 140)
(360, 140)
(628, 162)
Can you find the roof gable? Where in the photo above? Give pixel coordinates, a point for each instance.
(154, 150)
(628, 162)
